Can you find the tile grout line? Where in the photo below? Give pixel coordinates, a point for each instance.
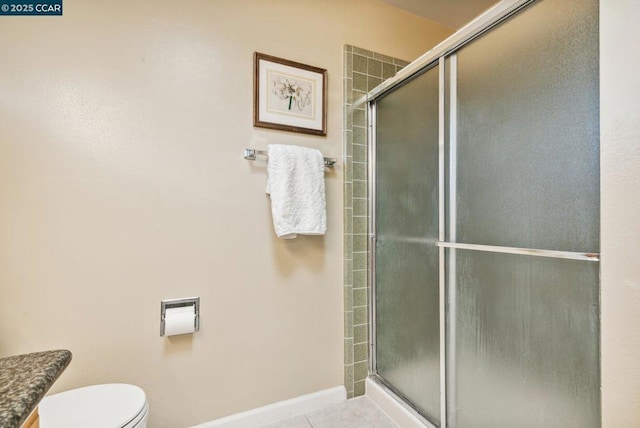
(307, 419)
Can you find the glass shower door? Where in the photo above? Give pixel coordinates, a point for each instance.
(524, 174)
(520, 218)
(407, 327)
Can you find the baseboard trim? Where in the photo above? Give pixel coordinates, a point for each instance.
(279, 411)
(392, 407)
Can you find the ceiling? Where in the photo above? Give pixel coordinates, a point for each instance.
(452, 13)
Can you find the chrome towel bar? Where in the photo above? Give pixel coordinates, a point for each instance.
(251, 154)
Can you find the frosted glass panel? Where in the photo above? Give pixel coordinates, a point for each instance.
(407, 327)
(526, 342)
(528, 133)
(523, 331)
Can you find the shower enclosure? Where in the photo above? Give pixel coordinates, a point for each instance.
(484, 188)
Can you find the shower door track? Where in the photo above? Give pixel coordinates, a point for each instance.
(402, 399)
(481, 24)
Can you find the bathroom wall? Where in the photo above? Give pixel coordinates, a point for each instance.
(122, 182)
(620, 175)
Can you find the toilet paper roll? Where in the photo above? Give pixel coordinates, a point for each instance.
(180, 320)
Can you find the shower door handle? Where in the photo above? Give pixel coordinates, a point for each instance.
(591, 257)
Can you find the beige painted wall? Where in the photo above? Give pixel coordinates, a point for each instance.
(122, 183)
(620, 165)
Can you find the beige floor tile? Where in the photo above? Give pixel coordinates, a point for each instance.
(356, 413)
(295, 422)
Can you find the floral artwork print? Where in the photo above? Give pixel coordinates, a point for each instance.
(291, 95)
(298, 93)
(288, 95)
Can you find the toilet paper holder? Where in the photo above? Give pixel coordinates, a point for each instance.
(179, 303)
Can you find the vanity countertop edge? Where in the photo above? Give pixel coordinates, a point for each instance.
(24, 381)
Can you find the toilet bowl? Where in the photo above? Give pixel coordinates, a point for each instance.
(114, 405)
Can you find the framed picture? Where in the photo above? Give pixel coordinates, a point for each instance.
(288, 95)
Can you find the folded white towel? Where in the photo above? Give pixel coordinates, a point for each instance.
(295, 181)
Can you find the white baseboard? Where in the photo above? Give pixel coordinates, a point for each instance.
(392, 407)
(279, 411)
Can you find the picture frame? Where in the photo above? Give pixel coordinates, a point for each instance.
(288, 95)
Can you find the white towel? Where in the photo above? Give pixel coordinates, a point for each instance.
(295, 181)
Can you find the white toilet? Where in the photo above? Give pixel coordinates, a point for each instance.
(114, 405)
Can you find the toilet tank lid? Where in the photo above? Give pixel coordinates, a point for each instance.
(97, 406)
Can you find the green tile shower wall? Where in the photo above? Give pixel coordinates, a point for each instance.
(363, 70)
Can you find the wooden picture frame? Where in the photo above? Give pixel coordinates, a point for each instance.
(288, 95)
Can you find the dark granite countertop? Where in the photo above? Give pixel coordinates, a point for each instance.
(24, 380)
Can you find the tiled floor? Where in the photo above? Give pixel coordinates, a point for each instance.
(356, 413)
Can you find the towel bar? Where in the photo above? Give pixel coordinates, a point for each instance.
(251, 154)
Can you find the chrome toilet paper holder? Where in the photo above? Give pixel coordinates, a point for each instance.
(178, 303)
